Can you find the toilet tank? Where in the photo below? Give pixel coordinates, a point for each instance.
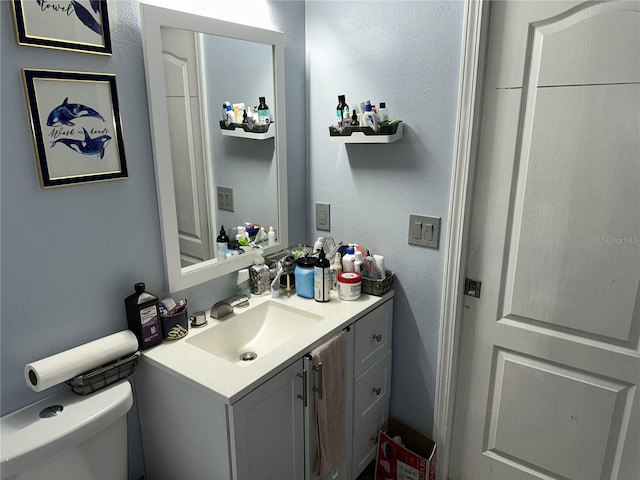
(85, 440)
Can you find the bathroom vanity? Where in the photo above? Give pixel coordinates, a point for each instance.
(206, 413)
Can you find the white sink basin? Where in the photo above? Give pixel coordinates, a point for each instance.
(249, 335)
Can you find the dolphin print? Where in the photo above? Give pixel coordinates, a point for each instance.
(88, 146)
(64, 113)
(85, 16)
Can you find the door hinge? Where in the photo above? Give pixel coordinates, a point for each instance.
(472, 287)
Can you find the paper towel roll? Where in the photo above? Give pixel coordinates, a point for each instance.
(55, 369)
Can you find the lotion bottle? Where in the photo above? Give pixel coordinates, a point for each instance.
(347, 260)
(370, 118)
(263, 112)
(336, 268)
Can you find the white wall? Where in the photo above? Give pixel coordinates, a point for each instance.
(406, 54)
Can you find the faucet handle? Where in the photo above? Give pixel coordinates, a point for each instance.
(238, 300)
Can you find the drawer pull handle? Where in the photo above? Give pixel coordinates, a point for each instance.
(377, 337)
(376, 390)
(373, 439)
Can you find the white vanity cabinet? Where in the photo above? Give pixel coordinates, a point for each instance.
(267, 429)
(189, 431)
(371, 383)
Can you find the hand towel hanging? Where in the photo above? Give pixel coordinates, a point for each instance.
(330, 359)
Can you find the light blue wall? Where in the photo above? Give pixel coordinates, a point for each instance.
(405, 54)
(70, 255)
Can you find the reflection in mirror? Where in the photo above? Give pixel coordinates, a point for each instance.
(206, 179)
(202, 72)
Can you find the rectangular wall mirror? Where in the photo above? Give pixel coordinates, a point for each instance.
(193, 65)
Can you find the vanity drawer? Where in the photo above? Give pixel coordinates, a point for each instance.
(365, 440)
(371, 390)
(372, 337)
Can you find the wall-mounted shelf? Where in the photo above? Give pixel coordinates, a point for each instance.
(242, 130)
(387, 134)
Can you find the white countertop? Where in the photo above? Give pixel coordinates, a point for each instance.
(230, 382)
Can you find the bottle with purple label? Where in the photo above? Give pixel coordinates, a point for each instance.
(143, 316)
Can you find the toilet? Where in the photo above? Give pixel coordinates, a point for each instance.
(68, 436)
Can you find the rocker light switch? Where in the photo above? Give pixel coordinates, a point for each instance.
(424, 231)
(417, 230)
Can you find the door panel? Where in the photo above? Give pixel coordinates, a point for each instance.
(550, 358)
(187, 146)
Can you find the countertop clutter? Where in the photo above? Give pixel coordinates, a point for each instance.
(231, 380)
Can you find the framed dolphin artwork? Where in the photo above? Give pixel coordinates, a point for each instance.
(76, 126)
(76, 25)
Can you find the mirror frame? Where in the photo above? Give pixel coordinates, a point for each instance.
(152, 19)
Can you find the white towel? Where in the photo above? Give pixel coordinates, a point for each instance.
(330, 416)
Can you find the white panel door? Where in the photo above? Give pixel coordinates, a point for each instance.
(187, 145)
(550, 359)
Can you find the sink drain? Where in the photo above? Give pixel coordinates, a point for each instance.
(248, 356)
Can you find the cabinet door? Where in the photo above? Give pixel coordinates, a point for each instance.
(373, 337)
(267, 430)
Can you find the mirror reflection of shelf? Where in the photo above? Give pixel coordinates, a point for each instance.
(242, 130)
(387, 134)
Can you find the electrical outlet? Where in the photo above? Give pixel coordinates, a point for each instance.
(225, 198)
(323, 216)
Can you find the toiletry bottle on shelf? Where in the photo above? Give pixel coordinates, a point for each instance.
(271, 235)
(354, 119)
(263, 112)
(222, 244)
(259, 276)
(336, 268)
(322, 278)
(347, 260)
(370, 118)
(340, 110)
(383, 114)
(143, 316)
(224, 111)
(231, 117)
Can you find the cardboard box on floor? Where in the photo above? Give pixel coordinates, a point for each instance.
(416, 460)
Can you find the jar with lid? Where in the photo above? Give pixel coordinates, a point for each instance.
(349, 285)
(304, 276)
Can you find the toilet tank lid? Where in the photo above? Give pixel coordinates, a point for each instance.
(26, 438)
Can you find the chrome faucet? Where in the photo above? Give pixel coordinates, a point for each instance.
(225, 307)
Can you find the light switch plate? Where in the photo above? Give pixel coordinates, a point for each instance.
(225, 198)
(424, 231)
(323, 216)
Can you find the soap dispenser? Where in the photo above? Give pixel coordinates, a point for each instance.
(259, 276)
(321, 278)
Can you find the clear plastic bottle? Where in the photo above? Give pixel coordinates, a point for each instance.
(322, 278)
(271, 236)
(222, 244)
